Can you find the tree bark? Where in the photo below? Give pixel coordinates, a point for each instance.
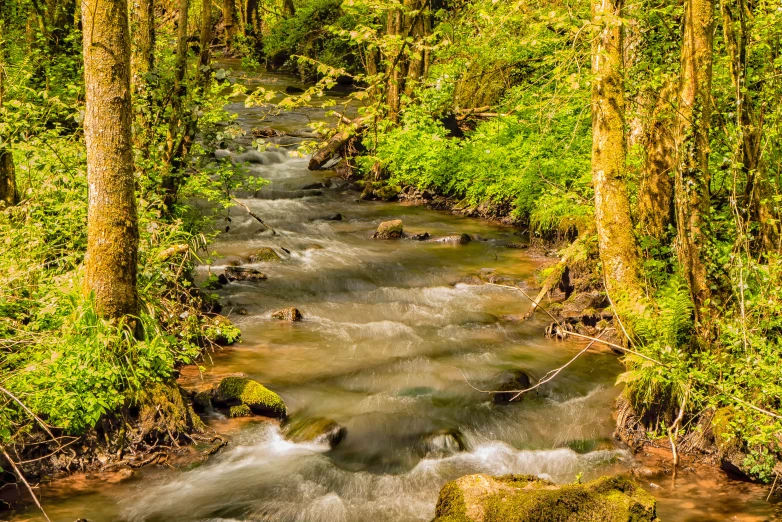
(288, 9)
(692, 173)
(142, 57)
(8, 191)
(618, 250)
(394, 74)
(112, 223)
(655, 194)
(205, 39)
(230, 22)
(177, 137)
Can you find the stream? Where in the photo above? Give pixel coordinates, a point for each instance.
(396, 338)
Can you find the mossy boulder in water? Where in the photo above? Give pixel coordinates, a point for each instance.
(524, 498)
(318, 430)
(511, 384)
(389, 230)
(237, 391)
(265, 255)
(240, 273)
(288, 314)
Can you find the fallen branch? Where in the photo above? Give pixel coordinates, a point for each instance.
(27, 484)
(546, 378)
(324, 154)
(254, 215)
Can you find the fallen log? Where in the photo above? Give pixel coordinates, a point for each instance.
(556, 274)
(322, 156)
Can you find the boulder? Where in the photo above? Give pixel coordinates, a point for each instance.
(319, 430)
(238, 391)
(460, 239)
(288, 314)
(583, 304)
(240, 273)
(265, 132)
(514, 380)
(525, 498)
(389, 230)
(442, 443)
(265, 254)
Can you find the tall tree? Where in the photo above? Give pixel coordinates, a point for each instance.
(692, 173)
(230, 22)
(8, 192)
(618, 250)
(205, 40)
(142, 58)
(112, 224)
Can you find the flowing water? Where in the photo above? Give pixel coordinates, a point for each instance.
(396, 340)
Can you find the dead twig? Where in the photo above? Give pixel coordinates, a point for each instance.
(254, 215)
(27, 484)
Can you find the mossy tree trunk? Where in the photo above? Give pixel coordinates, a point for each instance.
(142, 62)
(112, 224)
(618, 250)
(737, 25)
(288, 8)
(8, 191)
(394, 74)
(177, 139)
(230, 23)
(205, 42)
(692, 173)
(655, 193)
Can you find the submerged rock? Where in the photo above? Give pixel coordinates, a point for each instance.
(291, 89)
(238, 391)
(515, 380)
(389, 230)
(329, 217)
(265, 132)
(525, 498)
(319, 430)
(240, 273)
(420, 237)
(288, 314)
(442, 443)
(265, 254)
(521, 246)
(461, 239)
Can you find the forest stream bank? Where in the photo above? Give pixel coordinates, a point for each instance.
(397, 339)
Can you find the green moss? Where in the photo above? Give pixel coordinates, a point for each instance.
(241, 390)
(242, 410)
(265, 254)
(523, 498)
(220, 330)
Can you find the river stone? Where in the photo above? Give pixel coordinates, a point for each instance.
(461, 239)
(329, 217)
(265, 132)
(525, 498)
(389, 230)
(288, 314)
(420, 237)
(319, 430)
(252, 156)
(237, 391)
(514, 380)
(442, 443)
(265, 254)
(240, 273)
(583, 304)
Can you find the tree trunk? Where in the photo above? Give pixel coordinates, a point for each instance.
(142, 58)
(112, 224)
(230, 22)
(205, 38)
(394, 74)
(618, 251)
(655, 194)
(288, 9)
(177, 138)
(737, 27)
(692, 173)
(8, 192)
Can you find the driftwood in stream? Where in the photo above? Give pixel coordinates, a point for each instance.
(557, 274)
(334, 143)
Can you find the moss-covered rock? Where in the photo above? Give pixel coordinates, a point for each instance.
(164, 412)
(241, 273)
(236, 391)
(389, 230)
(523, 498)
(241, 410)
(318, 430)
(265, 255)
